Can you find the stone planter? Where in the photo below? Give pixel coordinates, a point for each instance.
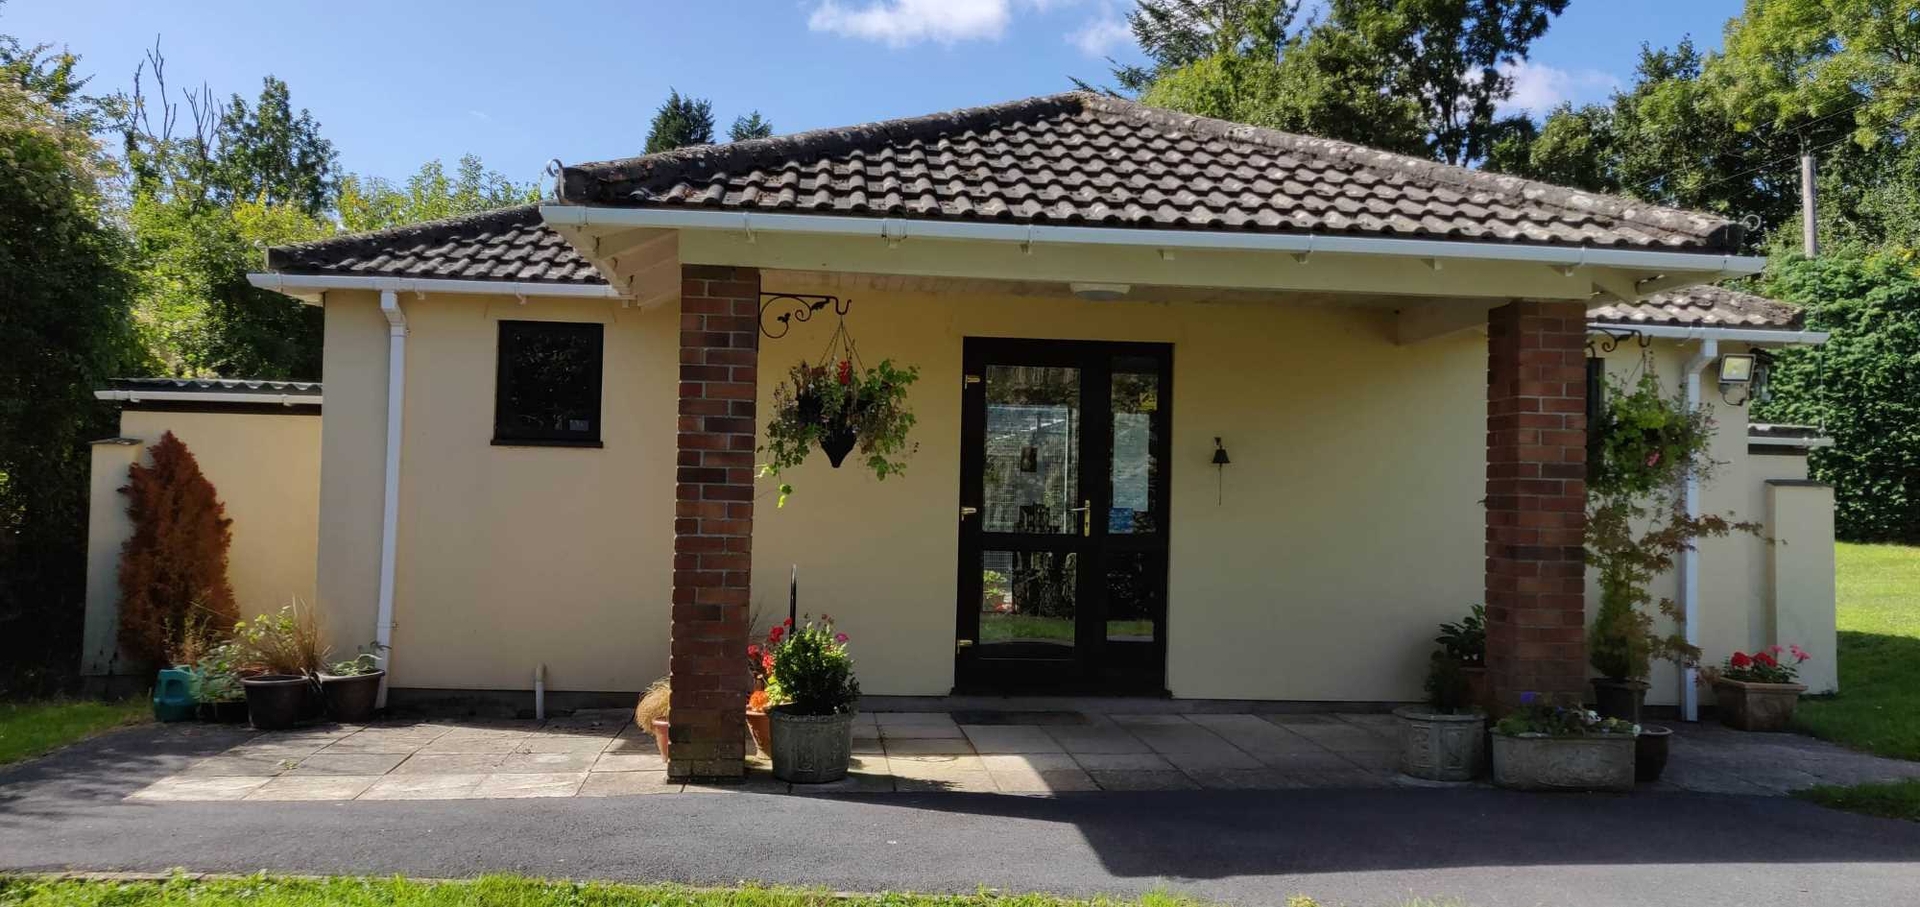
(1622, 699)
(810, 749)
(1757, 706)
(1441, 747)
(1585, 762)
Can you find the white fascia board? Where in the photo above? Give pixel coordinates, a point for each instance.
(1764, 441)
(893, 229)
(138, 396)
(1731, 335)
(300, 284)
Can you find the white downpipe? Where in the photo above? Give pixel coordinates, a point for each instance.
(1690, 556)
(540, 692)
(390, 491)
(894, 230)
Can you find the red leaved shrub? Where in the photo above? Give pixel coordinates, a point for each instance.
(173, 571)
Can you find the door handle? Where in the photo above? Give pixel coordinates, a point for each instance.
(1085, 510)
(968, 511)
(960, 644)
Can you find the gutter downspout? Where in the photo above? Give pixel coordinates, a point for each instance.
(1690, 556)
(390, 492)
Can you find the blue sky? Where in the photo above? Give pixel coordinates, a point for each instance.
(399, 82)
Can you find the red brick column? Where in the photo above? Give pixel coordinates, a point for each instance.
(1536, 501)
(713, 520)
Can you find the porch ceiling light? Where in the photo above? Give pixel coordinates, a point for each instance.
(1100, 292)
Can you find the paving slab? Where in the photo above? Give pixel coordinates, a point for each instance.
(1131, 780)
(263, 766)
(627, 784)
(629, 762)
(1105, 740)
(423, 787)
(928, 746)
(348, 764)
(516, 786)
(1011, 739)
(314, 787)
(449, 764)
(179, 787)
(547, 762)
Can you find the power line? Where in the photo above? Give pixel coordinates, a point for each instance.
(1775, 133)
(1748, 172)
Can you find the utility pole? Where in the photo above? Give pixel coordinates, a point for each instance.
(1809, 219)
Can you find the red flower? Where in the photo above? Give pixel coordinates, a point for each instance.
(840, 637)
(1739, 660)
(753, 651)
(845, 372)
(1799, 654)
(785, 623)
(1774, 649)
(1766, 659)
(773, 635)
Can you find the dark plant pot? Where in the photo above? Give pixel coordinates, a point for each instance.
(1650, 753)
(232, 711)
(1477, 692)
(836, 443)
(275, 701)
(660, 728)
(350, 699)
(1622, 699)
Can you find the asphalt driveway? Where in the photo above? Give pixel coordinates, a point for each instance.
(1361, 846)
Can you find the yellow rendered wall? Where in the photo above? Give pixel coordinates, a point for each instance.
(265, 469)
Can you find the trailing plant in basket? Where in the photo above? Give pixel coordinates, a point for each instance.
(1645, 444)
(812, 674)
(837, 407)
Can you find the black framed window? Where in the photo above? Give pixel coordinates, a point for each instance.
(547, 388)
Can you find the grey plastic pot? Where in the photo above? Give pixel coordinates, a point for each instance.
(810, 749)
(275, 701)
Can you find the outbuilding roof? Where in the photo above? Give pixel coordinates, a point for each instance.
(1703, 306)
(505, 244)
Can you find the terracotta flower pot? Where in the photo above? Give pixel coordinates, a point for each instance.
(762, 731)
(660, 735)
(1757, 706)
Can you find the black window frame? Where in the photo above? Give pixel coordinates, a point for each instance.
(505, 435)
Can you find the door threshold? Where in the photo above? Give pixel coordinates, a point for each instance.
(1116, 705)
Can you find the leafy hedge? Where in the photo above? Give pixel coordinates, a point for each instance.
(1862, 387)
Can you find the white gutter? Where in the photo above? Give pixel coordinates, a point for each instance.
(1798, 443)
(390, 491)
(282, 283)
(1731, 335)
(894, 230)
(1690, 555)
(138, 396)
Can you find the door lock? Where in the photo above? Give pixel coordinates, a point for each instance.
(1085, 510)
(960, 644)
(968, 511)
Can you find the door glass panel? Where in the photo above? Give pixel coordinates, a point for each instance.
(1028, 600)
(1032, 469)
(1135, 470)
(1133, 592)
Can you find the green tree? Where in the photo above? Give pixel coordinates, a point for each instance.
(64, 329)
(751, 126)
(372, 203)
(1176, 34)
(266, 152)
(680, 122)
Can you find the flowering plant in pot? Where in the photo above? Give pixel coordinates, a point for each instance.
(813, 694)
(839, 406)
(760, 663)
(1543, 746)
(1758, 692)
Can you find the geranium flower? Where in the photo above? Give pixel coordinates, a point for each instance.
(1799, 654)
(753, 651)
(1766, 659)
(845, 372)
(840, 637)
(1740, 660)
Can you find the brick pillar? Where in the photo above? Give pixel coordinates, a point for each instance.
(713, 520)
(1536, 501)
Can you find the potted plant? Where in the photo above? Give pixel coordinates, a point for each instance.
(1541, 746)
(278, 655)
(760, 663)
(1465, 641)
(351, 688)
(813, 694)
(1758, 692)
(1444, 740)
(215, 685)
(837, 407)
(651, 714)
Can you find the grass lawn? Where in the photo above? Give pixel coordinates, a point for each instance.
(268, 891)
(28, 729)
(1892, 799)
(1878, 706)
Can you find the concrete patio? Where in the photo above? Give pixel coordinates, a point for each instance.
(600, 754)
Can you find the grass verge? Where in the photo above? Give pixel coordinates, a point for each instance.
(28, 729)
(1889, 799)
(1878, 601)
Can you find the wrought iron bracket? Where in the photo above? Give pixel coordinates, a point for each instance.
(796, 307)
(1612, 337)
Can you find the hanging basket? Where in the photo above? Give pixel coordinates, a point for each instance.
(836, 443)
(840, 405)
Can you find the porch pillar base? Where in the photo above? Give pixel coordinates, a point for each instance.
(713, 521)
(1536, 501)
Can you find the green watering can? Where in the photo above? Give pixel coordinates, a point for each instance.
(173, 696)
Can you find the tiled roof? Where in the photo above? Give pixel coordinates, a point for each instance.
(507, 244)
(217, 386)
(1086, 159)
(1703, 306)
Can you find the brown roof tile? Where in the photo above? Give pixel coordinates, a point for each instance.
(507, 244)
(1086, 159)
(1703, 306)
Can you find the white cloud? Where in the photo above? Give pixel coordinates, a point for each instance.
(900, 23)
(1101, 34)
(1537, 89)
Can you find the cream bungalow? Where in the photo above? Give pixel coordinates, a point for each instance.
(1204, 411)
